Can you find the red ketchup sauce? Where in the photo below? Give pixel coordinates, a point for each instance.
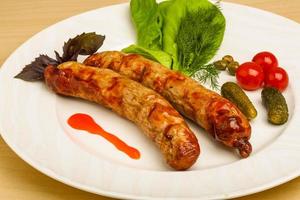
(86, 123)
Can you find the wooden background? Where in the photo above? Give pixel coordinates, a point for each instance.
(19, 20)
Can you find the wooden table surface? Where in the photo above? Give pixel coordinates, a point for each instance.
(19, 20)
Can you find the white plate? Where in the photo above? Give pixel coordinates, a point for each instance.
(33, 119)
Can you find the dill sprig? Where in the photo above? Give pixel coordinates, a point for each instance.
(208, 74)
(199, 38)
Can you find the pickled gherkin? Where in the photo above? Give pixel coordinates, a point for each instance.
(276, 106)
(236, 95)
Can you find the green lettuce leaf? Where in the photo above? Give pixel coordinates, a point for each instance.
(148, 22)
(172, 20)
(163, 8)
(155, 55)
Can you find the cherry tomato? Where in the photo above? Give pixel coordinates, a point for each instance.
(278, 78)
(250, 76)
(266, 60)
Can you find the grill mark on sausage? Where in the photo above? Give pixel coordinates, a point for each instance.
(153, 108)
(114, 94)
(141, 78)
(166, 133)
(159, 84)
(176, 77)
(189, 108)
(115, 84)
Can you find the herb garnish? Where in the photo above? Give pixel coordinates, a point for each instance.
(199, 37)
(208, 74)
(84, 44)
(188, 31)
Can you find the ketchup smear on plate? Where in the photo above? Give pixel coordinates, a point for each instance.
(85, 122)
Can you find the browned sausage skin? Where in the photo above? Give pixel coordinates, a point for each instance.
(143, 106)
(218, 116)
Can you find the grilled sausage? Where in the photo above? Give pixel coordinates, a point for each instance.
(143, 106)
(223, 120)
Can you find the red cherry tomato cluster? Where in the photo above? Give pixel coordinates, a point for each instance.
(262, 71)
